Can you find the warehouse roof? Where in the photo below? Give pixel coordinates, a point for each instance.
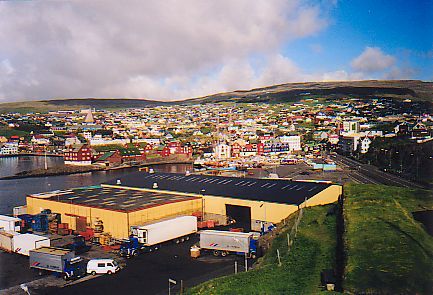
(124, 200)
(268, 190)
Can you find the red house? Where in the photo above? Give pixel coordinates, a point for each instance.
(80, 154)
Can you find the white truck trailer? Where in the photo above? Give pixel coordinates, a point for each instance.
(149, 237)
(222, 243)
(9, 223)
(21, 243)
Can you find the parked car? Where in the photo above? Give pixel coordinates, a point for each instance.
(102, 266)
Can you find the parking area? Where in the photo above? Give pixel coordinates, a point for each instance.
(145, 274)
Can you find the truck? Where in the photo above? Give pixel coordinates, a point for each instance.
(58, 260)
(9, 223)
(222, 243)
(21, 243)
(78, 245)
(148, 238)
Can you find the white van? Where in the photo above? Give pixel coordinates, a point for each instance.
(99, 266)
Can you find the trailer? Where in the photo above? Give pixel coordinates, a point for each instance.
(9, 223)
(23, 243)
(222, 243)
(149, 237)
(60, 261)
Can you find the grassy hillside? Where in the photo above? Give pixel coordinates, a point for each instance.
(388, 252)
(289, 92)
(398, 89)
(312, 251)
(76, 104)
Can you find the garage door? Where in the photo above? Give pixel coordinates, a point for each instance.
(241, 214)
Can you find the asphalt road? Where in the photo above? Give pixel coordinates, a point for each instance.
(149, 273)
(364, 173)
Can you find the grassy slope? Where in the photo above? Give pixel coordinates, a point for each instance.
(8, 132)
(388, 252)
(313, 251)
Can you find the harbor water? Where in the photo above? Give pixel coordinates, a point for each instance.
(13, 192)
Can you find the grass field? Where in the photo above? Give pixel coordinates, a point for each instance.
(388, 252)
(8, 132)
(312, 251)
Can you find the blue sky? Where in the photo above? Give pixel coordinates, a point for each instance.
(401, 28)
(181, 49)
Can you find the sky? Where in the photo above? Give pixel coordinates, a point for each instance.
(176, 49)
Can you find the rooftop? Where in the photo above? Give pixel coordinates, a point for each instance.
(268, 190)
(115, 199)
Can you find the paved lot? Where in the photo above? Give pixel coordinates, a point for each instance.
(149, 273)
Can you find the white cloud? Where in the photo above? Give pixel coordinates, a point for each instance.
(153, 49)
(371, 60)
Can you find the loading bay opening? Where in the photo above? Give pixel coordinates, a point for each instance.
(241, 214)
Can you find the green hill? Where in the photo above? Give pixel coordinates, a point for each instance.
(290, 92)
(299, 273)
(387, 251)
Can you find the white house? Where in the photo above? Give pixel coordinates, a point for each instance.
(9, 148)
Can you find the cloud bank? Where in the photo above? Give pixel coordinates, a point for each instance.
(158, 49)
(161, 50)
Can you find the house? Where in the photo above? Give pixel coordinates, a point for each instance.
(222, 151)
(131, 154)
(420, 131)
(80, 154)
(163, 151)
(364, 144)
(9, 148)
(110, 159)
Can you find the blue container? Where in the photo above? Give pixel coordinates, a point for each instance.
(40, 223)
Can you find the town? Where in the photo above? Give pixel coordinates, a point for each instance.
(393, 135)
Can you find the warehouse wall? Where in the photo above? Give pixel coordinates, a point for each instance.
(115, 223)
(274, 212)
(327, 196)
(187, 207)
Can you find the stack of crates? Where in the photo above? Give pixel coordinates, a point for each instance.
(63, 229)
(53, 227)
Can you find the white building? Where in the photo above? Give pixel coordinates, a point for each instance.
(351, 126)
(294, 142)
(9, 148)
(222, 151)
(364, 145)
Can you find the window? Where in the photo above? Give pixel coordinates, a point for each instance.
(101, 264)
(109, 264)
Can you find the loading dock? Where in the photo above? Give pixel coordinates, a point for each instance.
(241, 215)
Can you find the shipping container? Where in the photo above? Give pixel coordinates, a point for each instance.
(23, 243)
(9, 223)
(166, 230)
